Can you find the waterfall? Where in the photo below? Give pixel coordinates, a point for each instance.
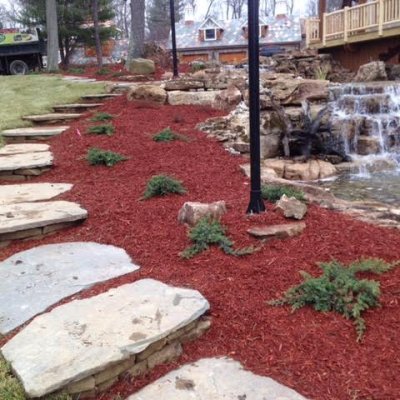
(366, 123)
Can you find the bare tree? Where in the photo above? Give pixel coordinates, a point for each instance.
(95, 14)
(52, 35)
(122, 16)
(312, 8)
(268, 7)
(136, 40)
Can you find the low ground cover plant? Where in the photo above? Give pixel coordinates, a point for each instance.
(339, 289)
(167, 135)
(162, 185)
(209, 232)
(273, 193)
(103, 157)
(103, 71)
(106, 129)
(101, 116)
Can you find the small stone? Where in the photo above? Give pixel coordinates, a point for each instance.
(290, 207)
(167, 354)
(281, 231)
(192, 212)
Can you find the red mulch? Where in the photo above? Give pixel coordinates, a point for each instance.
(314, 353)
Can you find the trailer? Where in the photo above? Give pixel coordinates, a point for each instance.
(20, 52)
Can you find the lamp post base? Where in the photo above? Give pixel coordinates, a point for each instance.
(256, 205)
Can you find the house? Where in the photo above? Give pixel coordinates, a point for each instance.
(226, 41)
(357, 34)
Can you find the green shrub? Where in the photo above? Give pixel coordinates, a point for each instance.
(103, 71)
(210, 232)
(167, 135)
(339, 289)
(161, 185)
(103, 157)
(101, 116)
(274, 193)
(102, 129)
(76, 70)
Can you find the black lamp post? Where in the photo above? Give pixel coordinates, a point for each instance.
(173, 37)
(256, 204)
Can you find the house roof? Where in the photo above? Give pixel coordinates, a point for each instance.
(280, 31)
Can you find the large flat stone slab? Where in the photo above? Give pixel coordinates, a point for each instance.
(35, 131)
(280, 231)
(24, 161)
(24, 216)
(29, 192)
(23, 148)
(215, 379)
(178, 97)
(54, 117)
(80, 339)
(40, 277)
(100, 96)
(76, 107)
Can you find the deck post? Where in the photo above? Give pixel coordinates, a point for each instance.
(346, 24)
(381, 17)
(324, 29)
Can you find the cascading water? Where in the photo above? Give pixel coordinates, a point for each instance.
(366, 117)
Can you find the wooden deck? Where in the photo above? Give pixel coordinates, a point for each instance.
(374, 20)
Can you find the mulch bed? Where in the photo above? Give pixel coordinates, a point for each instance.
(314, 353)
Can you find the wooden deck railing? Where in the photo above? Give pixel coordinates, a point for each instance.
(341, 25)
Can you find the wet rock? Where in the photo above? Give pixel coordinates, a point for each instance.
(373, 71)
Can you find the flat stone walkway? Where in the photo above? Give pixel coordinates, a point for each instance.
(26, 160)
(50, 118)
(76, 107)
(79, 340)
(37, 278)
(29, 192)
(23, 148)
(215, 379)
(34, 131)
(100, 96)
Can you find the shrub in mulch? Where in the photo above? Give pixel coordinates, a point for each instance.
(101, 117)
(339, 289)
(167, 135)
(103, 157)
(210, 232)
(273, 193)
(162, 185)
(107, 129)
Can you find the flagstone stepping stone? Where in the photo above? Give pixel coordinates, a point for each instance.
(23, 166)
(280, 231)
(29, 220)
(33, 133)
(29, 192)
(51, 118)
(215, 379)
(40, 277)
(23, 148)
(100, 96)
(82, 346)
(75, 107)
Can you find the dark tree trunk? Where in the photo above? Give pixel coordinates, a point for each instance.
(52, 35)
(136, 41)
(95, 11)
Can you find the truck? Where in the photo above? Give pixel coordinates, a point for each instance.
(21, 51)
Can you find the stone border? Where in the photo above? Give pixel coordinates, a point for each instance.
(160, 352)
(36, 233)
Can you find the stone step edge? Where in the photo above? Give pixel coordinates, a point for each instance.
(22, 173)
(160, 352)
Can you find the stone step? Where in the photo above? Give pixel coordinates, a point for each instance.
(23, 148)
(29, 192)
(78, 79)
(32, 133)
(100, 96)
(33, 220)
(215, 379)
(44, 275)
(83, 346)
(77, 107)
(25, 165)
(51, 118)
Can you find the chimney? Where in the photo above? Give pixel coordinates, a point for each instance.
(281, 9)
(189, 15)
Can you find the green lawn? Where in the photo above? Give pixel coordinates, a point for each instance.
(35, 94)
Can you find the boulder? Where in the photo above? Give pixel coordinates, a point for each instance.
(184, 84)
(228, 98)
(148, 93)
(192, 212)
(373, 71)
(290, 207)
(142, 66)
(281, 231)
(178, 97)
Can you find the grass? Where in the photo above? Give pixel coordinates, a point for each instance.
(107, 129)
(103, 157)
(101, 116)
(11, 388)
(273, 193)
(36, 94)
(2, 141)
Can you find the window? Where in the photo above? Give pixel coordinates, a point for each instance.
(210, 34)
